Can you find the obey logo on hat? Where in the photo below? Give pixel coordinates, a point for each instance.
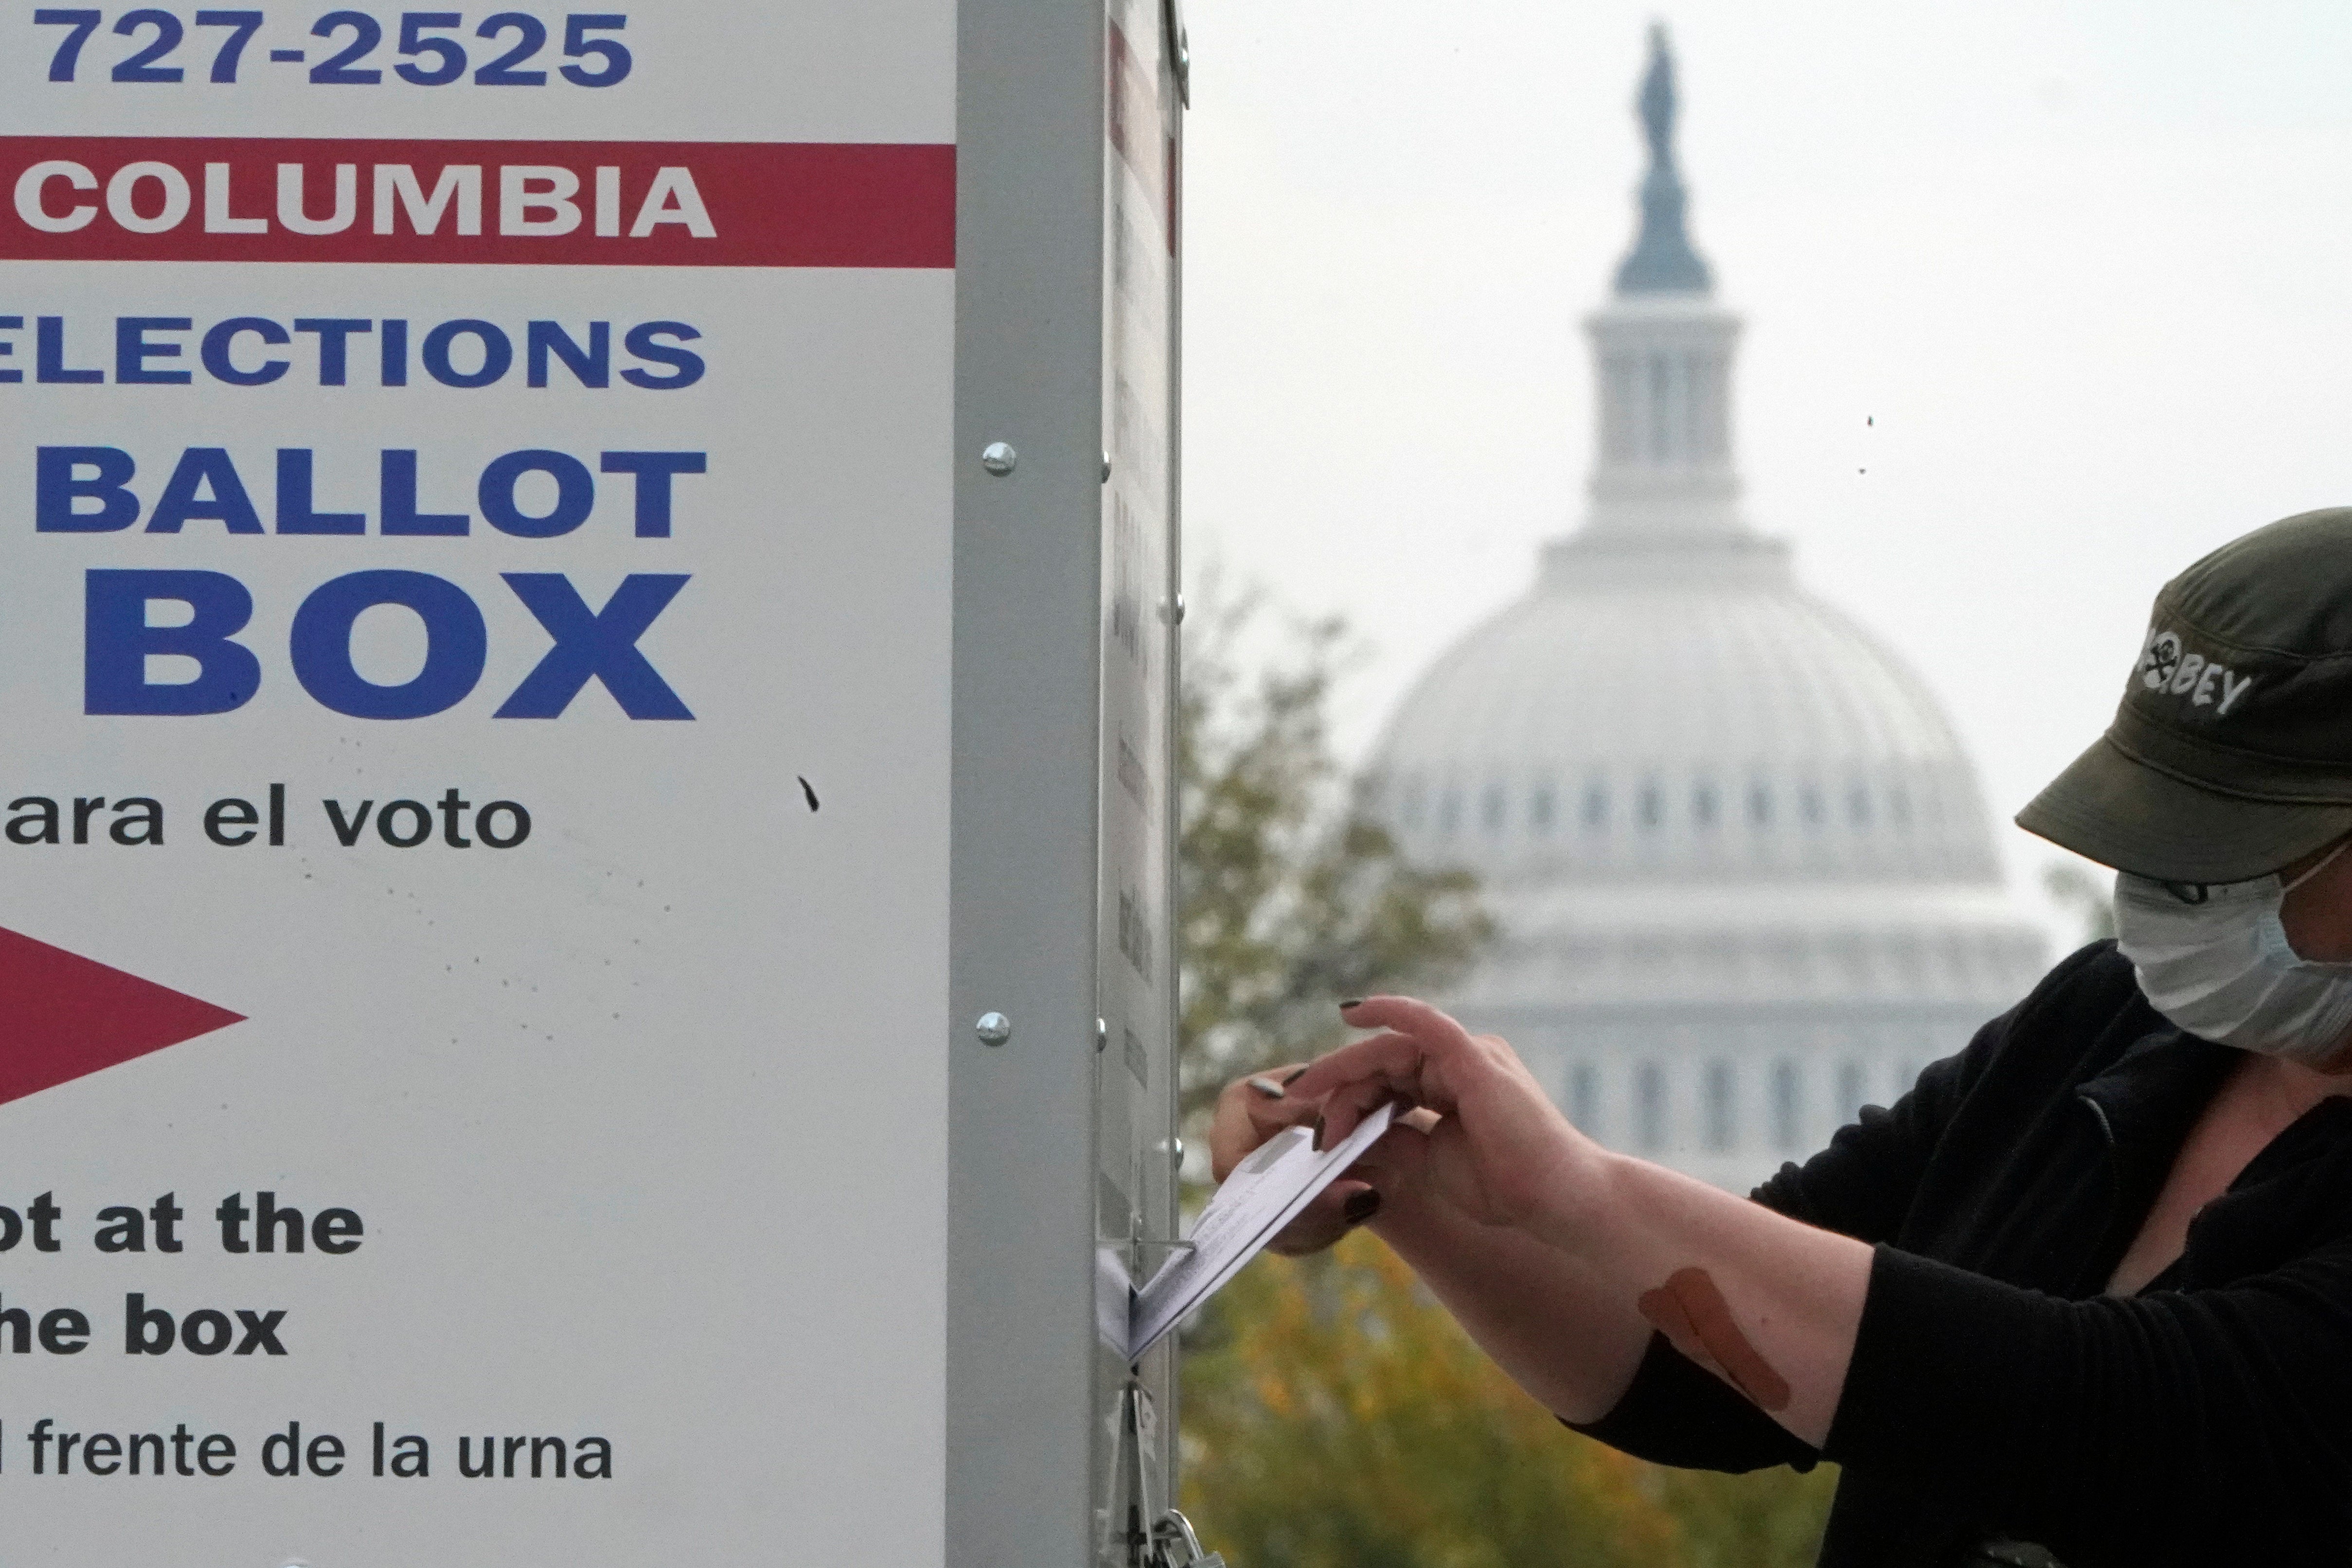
(2231, 754)
(2166, 666)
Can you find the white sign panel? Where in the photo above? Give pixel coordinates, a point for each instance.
(474, 602)
(1135, 960)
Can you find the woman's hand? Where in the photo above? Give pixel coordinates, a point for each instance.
(1495, 1149)
(1561, 1257)
(1475, 1133)
(1247, 1117)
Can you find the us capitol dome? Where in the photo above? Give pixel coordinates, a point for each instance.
(1741, 871)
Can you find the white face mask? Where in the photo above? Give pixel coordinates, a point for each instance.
(2221, 967)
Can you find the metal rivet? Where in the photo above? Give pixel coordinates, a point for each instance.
(994, 1029)
(1105, 479)
(1102, 1035)
(998, 457)
(1176, 1151)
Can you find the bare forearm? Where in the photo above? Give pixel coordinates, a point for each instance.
(1559, 1329)
(1768, 1303)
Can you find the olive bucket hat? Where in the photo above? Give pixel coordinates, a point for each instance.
(2231, 754)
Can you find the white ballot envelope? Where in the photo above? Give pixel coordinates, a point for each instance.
(1265, 1193)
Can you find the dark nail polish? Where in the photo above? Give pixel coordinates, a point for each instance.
(1352, 1002)
(1319, 1135)
(1360, 1207)
(1295, 1074)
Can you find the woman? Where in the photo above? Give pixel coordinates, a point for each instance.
(2086, 1289)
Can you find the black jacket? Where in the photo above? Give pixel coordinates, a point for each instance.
(1994, 1391)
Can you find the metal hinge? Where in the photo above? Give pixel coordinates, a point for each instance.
(1168, 1541)
(1173, 1544)
(1179, 47)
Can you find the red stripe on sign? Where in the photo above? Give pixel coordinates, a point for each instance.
(550, 203)
(63, 1016)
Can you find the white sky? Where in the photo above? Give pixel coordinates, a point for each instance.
(2088, 267)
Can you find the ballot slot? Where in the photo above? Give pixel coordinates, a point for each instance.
(1265, 1193)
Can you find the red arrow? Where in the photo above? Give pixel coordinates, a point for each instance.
(63, 1016)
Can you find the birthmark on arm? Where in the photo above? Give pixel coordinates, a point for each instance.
(1695, 1319)
(809, 790)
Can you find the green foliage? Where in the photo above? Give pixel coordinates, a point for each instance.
(1334, 1416)
(1294, 895)
(1770, 1519)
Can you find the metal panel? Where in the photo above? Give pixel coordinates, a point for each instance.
(698, 999)
(644, 1110)
(1135, 909)
(1063, 1138)
(1021, 1392)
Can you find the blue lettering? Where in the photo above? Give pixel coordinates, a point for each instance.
(117, 642)
(49, 355)
(601, 643)
(144, 351)
(591, 366)
(295, 497)
(684, 364)
(498, 354)
(396, 353)
(653, 470)
(399, 501)
(334, 342)
(133, 351)
(221, 366)
(456, 644)
(209, 467)
(576, 494)
(58, 490)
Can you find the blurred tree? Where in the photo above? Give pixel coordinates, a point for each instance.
(1336, 1418)
(1768, 1519)
(1294, 895)
(1334, 1414)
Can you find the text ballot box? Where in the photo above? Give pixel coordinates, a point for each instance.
(530, 738)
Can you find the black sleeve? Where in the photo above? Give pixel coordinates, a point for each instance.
(1861, 1184)
(2208, 1426)
(1677, 1413)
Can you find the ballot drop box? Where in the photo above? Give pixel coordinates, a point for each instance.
(588, 616)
